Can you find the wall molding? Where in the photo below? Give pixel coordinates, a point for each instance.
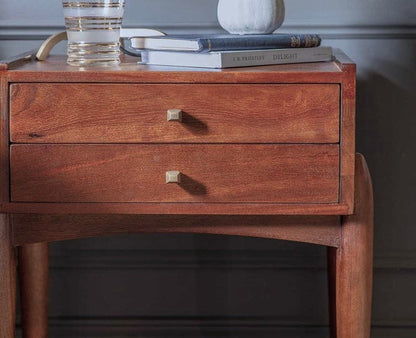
(39, 31)
(215, 259)
(194, 327)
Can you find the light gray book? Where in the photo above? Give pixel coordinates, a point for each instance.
(228, 59)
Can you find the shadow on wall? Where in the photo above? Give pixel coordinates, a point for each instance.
(386, 123)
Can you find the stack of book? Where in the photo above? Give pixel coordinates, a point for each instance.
(224, 51)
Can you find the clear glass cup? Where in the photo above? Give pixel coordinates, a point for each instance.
(93, 29)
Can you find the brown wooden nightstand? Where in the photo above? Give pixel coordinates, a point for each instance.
(262, 152)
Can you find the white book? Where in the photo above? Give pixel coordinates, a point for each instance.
(227, 59)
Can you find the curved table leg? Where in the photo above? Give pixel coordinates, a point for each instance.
(351, 265)
(33, 272)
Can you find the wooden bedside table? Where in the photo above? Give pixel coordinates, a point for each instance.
(262, 152)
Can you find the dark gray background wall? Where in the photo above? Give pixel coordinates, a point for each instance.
(212, 286)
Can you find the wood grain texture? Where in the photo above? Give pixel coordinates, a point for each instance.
(104, 113)
(209, 173)
(323, 230)
(4, 138)
(55, 69)
(348, 104)
(7, 279)
(176, 208)
(351, 265)
(33, 277)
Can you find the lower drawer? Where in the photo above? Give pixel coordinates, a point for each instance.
(211, 173)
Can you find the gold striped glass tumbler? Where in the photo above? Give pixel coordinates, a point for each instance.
(93, 29)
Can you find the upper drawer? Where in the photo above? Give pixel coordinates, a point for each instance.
(121, 113)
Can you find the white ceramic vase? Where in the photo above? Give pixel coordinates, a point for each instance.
(251, 16)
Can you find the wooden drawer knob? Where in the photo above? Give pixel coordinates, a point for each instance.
(173, 176)
(174, 115)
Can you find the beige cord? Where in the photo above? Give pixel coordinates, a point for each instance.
(48, 44)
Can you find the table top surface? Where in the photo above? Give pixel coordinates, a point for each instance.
(130, 64)
(24, 68)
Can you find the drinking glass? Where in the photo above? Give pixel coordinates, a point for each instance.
(93, 29)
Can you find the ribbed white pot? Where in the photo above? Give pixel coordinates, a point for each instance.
(251, 16)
